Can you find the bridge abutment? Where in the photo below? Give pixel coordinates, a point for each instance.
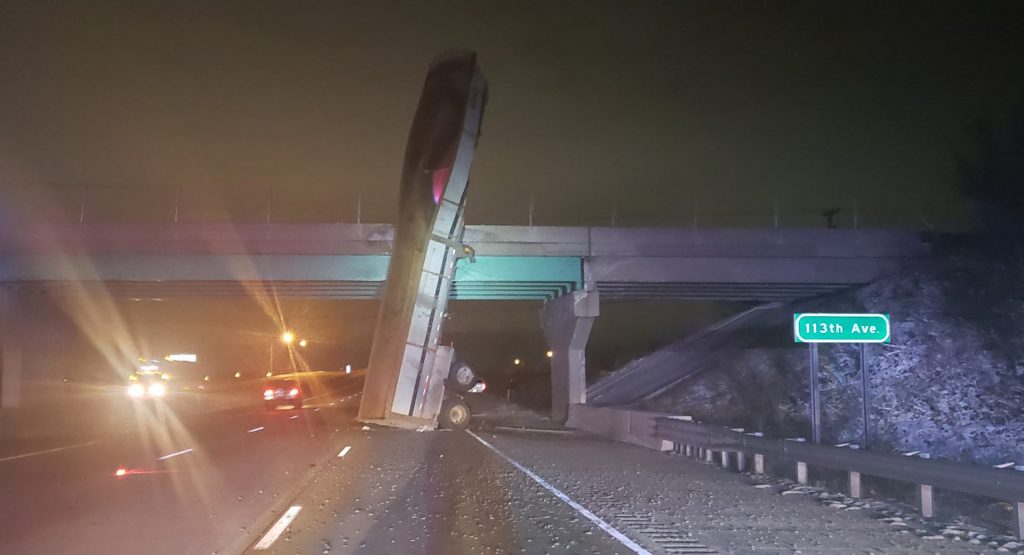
(567, 321)
(11, 359)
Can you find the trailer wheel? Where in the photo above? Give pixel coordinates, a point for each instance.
(463, 376)
(454, 414)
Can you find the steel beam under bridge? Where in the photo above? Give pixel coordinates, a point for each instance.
(307, 276)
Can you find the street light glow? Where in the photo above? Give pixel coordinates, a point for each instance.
(516, 362)
(288, 337)
(303, 343)
(550, 354)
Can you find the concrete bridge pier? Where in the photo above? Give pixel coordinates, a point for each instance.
(11, 348)
(567, 321)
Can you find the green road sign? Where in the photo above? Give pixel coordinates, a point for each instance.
(841, 328)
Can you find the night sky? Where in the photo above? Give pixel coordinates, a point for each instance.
(651, 113)
(652, 110)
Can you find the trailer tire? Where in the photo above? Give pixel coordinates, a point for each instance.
(462, 375)
(454, 414)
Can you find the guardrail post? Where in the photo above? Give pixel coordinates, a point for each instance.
(709, 456)
(688, 450)
(741, 461)
(855, 485)
(758, 463)
(927, 502)
(801, 473)
(725, 460)
(1018, 513)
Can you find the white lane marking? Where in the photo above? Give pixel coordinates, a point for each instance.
(182, 452)
(344, 451)
(45, 451)
(256, 429)
(278, 528)
(632, 545)
(533, 430)
(294, 417)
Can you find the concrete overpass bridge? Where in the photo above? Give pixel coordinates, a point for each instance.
(350, 261)
(571, 269)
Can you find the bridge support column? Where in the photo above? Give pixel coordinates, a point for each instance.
(567, 321)
(11, 347)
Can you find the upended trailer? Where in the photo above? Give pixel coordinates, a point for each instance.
(411, 381)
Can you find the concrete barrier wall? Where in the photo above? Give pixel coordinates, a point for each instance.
(628, 426)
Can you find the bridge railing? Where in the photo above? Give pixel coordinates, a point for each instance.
(735, 448)
(348, 204)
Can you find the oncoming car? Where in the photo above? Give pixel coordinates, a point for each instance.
(148, 384)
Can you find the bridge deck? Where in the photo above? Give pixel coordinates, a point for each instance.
(513, 262)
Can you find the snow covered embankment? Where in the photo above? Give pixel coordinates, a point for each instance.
(951, 383)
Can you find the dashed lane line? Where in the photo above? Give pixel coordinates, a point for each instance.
(175, 454)
(278, 528)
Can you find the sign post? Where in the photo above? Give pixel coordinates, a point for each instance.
(866, 394)
(814, 328)
(815, 396)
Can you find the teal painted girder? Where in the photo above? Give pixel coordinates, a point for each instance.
(488, 278)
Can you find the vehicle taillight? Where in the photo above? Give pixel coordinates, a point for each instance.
(268, 394)
(294, 392)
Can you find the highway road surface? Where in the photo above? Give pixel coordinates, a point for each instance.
(245, 480)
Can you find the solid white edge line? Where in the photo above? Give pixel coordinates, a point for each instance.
(182, 452)
(256, 429)
(45, 451)
(622, 538)
(532, 430)
(278, 528)
(344, 451)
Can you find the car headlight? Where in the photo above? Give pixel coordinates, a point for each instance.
(136, 390)
(157, 390)
(479, 387)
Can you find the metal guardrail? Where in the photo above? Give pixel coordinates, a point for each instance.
(702, 440)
